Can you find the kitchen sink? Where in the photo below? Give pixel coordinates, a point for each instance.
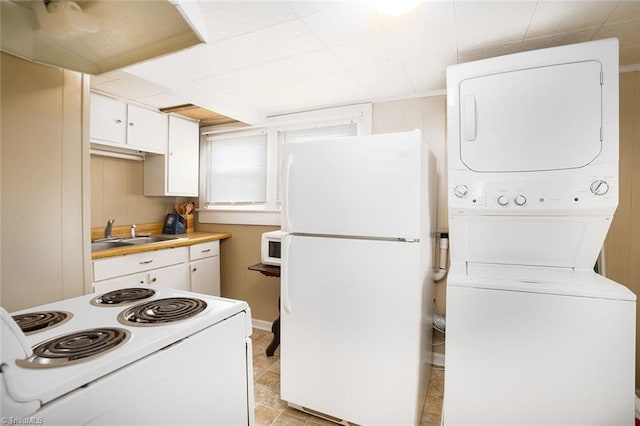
(149, 239)
(125, 242)
(106, 245)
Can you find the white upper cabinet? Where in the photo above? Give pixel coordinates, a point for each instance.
(183, 156)
(147, 129)
(176, 172)
(119, 124)
(108, 120)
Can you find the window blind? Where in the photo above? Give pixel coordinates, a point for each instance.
(237, 170)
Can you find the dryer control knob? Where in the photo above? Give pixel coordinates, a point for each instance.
(461, 191)
(599, 187)
(520, 200)
(503, 200)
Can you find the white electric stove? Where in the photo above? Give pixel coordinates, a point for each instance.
(131, 356)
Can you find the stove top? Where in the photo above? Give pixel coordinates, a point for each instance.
(75, 347)
(123, 296)
(162, 311)
(34, 322)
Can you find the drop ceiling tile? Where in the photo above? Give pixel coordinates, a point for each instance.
(366, 53)
(488, 52)
(328, 90)
(187, 64)
(290, 69)
(129, 87)
(429, 30)
(626, 11)
(233, 54)
(491, 23)
(164, 100)
(339, 23)
(284, 40)
(386, 80)
(555, 17)
(306, 8)
(579, 36)
(107, 76)
(227, 19)
(428, 73)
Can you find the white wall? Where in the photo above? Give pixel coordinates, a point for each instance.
(44, 230)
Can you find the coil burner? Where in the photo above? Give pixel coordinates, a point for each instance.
(33, 322)
(162, 311)
(123, 296)
(75, 347)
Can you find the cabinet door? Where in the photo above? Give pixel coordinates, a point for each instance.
(147, 129)
(108, 122)
(170, 277)
(205, 276)
(183, 157)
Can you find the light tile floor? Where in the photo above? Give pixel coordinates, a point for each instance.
(270, 410)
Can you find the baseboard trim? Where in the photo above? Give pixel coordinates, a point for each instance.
(437, 359)
(261, 324)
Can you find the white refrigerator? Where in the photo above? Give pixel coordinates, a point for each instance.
(356, 283)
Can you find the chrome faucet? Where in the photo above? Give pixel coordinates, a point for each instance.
(107, 229)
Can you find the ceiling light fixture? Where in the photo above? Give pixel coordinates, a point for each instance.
(395, 7)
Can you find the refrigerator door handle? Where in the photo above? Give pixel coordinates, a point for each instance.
(285, 193)
(284, 279)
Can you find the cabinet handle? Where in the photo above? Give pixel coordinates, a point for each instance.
(119, 121)
(205, 251)
(131, 124)
(146, 262)
(195, 269)
(154, 279)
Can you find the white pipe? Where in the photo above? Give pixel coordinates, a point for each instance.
(444, 250)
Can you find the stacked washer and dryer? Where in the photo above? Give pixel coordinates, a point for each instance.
(534, 335)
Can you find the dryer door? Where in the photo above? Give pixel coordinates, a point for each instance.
(543, 118)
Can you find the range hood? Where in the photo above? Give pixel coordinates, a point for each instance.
(97, 36)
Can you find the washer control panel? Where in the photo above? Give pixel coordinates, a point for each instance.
(531, 193)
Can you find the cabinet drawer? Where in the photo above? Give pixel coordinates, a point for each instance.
(137, 262)
(202, 250)
(135, 280)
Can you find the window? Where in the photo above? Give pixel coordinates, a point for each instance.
(236, 169)
(239, 167)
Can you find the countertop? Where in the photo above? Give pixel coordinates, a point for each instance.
(187, 239)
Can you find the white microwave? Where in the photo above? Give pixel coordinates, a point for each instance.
(271, 248)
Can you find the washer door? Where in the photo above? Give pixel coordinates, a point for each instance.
(535, 119)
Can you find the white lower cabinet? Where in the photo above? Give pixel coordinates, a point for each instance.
(164, 268)
(176, 276)
(195, 268)
(204, 268)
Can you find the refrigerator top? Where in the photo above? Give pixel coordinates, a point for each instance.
(364, 187)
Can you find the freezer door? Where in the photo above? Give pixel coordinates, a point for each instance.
(354, 336)
(364, 186)
(532, 119)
